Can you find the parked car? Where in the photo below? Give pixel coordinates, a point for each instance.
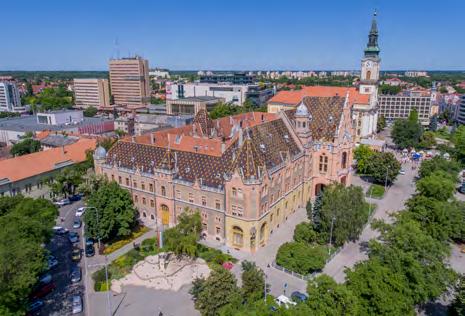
(80, 211)
(90, 252)
(59, 230)
(62, 202)
(89, 241)
(75, 275)
(77, 304)
(52, 262)
(297, 296)
(74, 198)
(285, 301)
(45, 278)
(76, 254)
(73, 237)
(43, 290)
(35, 306)
(402, 171)
(77, 223)
(462, 188)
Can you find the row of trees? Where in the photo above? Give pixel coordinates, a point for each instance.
(26, 225)
(382, 167)
(50, 99)
(25, 146)
(337, 216)
(225, 109)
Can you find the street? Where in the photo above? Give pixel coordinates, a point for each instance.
(59, 301)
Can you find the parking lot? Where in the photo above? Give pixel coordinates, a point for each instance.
(59, 302)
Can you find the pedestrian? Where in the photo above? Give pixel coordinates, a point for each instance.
(62, 219)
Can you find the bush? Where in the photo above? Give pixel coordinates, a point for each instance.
(215, 256)
(304, 232)
(375, 191)
(302, 258)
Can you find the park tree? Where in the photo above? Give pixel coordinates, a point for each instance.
(383, 167)
(67, 181)
(459, 143)
(24, 147)
(91, 183)
(218, 290)
(381, 123)
(438, 163)
(304, 232)
(344, 212)
(90, 111)
(433, 123)
(406, 133)
(301, 258)
(316, 212)
(111, 213)
(363, 154)
(253, 281)
(458, 306)
(182, 239)
(428, 140)
(328, 298)
(437, 185)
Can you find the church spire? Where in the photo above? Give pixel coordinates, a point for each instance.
(372, 49)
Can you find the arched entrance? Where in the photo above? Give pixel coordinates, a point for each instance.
(238, 236)
(319, 188)
(165, 215)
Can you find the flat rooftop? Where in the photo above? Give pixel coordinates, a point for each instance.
(29, 124)
(203, 98)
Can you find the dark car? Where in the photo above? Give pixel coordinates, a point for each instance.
(90, 252)
(73, 237)
(77, 223)
(89, 241)
(75, 275)
(35, 306)
(297, 297)
(74, 198)
(76, 254)
(43, 290)
(462, 188)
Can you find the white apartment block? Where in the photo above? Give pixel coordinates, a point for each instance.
(394, 107)
(10, 101)
(91, 92)
(235, 94)
(413, 74)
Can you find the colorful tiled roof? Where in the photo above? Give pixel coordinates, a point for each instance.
(325, 113)
(26, 166)
(294, 97)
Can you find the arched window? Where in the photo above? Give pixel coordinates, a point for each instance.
(344, 160)
(238, 236)
(163, 191)
(368, 75)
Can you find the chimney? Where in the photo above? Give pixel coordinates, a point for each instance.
(223, 147)
(152, 138)
(240, 137)
(133, 139)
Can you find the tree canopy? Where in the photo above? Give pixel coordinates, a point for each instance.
(406, 133)
(182, 239)
(111, 213)
(90, 111)
(26, 146)
(383, 167)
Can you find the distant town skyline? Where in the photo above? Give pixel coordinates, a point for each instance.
(231, 35)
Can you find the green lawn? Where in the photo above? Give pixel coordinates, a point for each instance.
(376, 191)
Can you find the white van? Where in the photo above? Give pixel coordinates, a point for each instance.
(285, 301)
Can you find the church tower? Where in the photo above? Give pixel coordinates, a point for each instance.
(371, 63)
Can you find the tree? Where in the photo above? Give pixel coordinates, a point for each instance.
(301, 258)
(458, 306)
(438, 163)
(91, 183)
(107, 142)
(115, 211)
(304, 232)
(27, 225)
(316, 217)
(438, 186)
(218, 290)
(90, 111)
(383, 167)
(253, 281)
(428, 140)
(363, 154)
(66, 181)
(328, 298)
(407, 133)
(309, 209)
(381, 123)
(182, 239)
(344, 211)
(26, 146)
(433, 124)
(388, 89)
(459, 143)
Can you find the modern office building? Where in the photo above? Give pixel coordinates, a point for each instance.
(239, 78)
(91, 92)
(10, 101)
(243, 174)
(232, 93)
(141, 123)
(460, 117)
(129, 81)
(394, 107)
(192, 105)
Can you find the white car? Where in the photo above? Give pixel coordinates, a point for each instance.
(402, 171)
(80, 211)
(77, 304)
(285, 301)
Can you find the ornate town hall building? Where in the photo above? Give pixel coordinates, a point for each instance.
(244, 174)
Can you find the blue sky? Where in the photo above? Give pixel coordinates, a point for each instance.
(231, 34)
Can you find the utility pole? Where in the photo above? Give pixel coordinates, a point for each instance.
(331, 234)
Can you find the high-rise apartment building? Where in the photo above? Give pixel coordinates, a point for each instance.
(460, 114)
(10, 100)
(129, 81)
(394, 107)
(91, 92)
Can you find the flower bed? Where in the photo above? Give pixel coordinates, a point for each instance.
(139, 231)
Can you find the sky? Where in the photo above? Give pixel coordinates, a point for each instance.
(231, 34)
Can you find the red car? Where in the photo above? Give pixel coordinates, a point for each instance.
(43, 291)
